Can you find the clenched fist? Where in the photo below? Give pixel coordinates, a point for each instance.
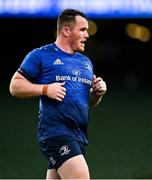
(98, 86)
(56, 91)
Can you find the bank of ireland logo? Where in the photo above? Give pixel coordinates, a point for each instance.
(64, 150)
(76, 72)
(86, 65)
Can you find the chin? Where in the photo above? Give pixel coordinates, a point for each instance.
(81, 49)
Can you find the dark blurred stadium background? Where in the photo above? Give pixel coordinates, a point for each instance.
(120, 127)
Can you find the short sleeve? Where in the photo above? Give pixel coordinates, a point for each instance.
(31, 66)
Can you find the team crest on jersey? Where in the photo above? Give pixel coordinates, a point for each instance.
(58, 62)
(86, 65)
(76, 72)
(64, 150)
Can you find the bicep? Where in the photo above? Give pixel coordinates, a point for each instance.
(17, 75)
(17, 82)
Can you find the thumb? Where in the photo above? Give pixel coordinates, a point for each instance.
(94, 77)
(62, 84)
(93, 80)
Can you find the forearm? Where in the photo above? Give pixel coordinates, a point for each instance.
(97, 91)
(22, 88)
(94, 100)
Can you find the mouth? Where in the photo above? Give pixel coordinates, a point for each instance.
(83, 43)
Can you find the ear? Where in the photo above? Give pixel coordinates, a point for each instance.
(66, 31)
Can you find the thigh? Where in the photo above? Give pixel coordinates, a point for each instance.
(52, 174)
(74, 168)
(60, 150)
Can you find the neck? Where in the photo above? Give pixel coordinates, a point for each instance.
(64, 45)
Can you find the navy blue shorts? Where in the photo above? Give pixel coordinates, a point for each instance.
(60, 149)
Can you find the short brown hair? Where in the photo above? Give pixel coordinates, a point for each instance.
(67, 17)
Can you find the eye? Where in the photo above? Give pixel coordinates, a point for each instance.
(83, 29)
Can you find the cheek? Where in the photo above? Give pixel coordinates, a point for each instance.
(76, 35)
(76, 42)
(73, 38)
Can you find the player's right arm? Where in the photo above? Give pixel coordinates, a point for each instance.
(23, 88)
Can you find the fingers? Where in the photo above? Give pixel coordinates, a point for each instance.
(96, 80)
(63, 89)
(99, 86)
(60, 96)
(56, 91)
(61, 92)
(61, 86)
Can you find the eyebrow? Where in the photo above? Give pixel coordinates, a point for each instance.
(83, 28)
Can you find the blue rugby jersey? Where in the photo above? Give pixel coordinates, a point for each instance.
(49, 64)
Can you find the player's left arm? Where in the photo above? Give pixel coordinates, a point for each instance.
(97, 91)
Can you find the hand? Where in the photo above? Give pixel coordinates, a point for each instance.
(98, 86)
(56, 91)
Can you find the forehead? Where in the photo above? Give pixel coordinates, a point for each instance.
(81, 21)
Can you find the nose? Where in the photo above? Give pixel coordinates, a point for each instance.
(87, 34)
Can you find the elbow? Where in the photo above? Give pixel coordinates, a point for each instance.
(12, 90)
(15, 87)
